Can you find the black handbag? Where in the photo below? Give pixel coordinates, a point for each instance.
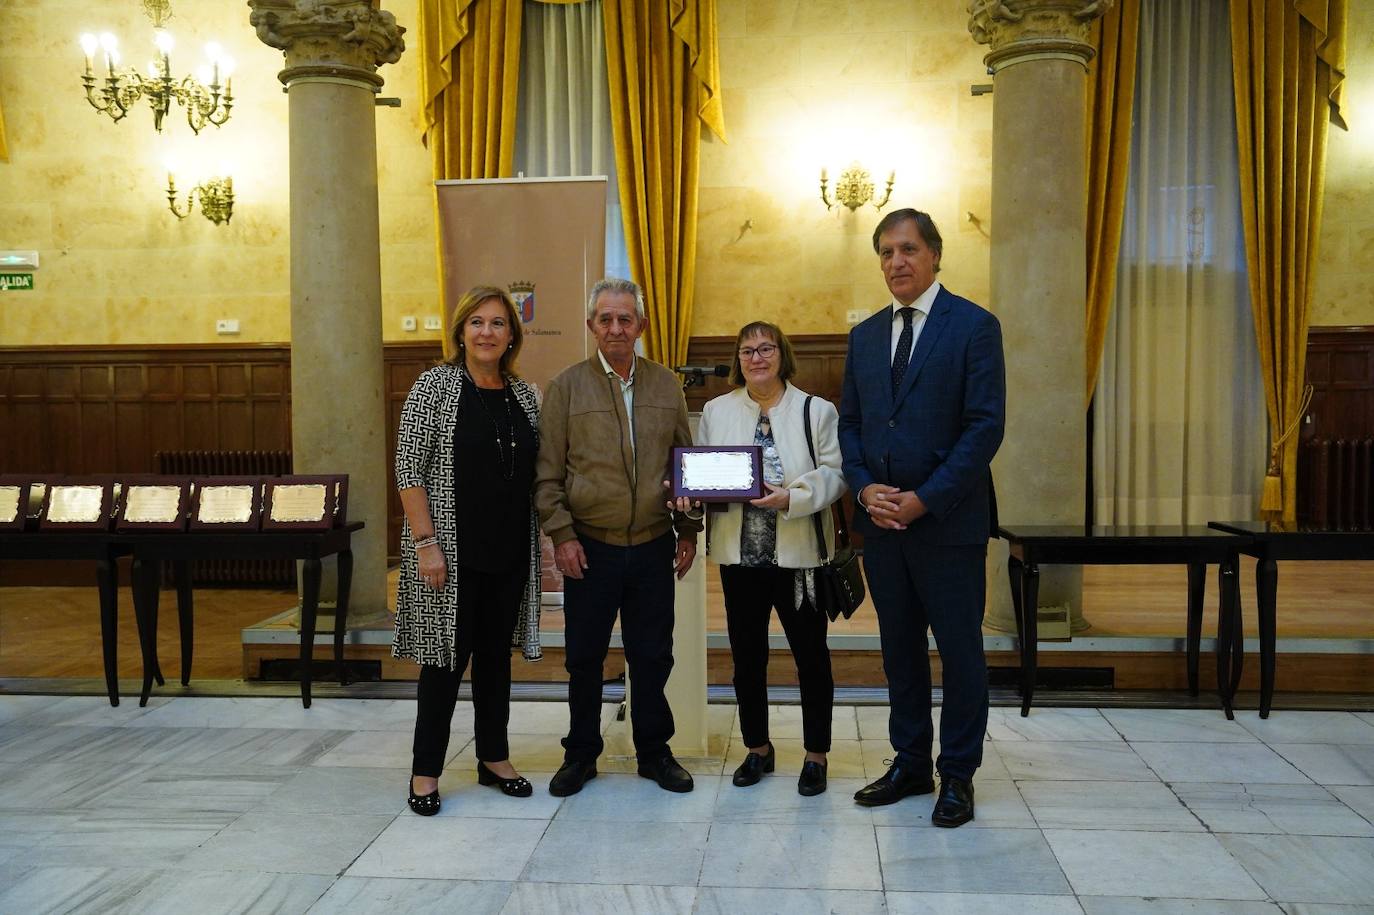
(839, 580)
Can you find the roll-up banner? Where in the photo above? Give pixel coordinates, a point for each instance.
(543, 240)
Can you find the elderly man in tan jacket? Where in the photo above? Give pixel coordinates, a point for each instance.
(606, 434)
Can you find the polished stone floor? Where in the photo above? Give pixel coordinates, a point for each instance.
(201, 805)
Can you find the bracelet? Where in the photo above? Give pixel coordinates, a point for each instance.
(431, 540)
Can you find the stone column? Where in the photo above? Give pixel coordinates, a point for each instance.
(338, 413)
(1039, 54)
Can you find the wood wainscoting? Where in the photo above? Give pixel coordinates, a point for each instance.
(110, 409)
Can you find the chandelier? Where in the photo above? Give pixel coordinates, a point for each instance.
(205, 99)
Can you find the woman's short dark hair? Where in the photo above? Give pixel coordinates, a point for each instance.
(470, 302)
(787, 357)
(924, 225)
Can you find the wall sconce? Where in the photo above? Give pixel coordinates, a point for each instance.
(123, 88)
(216, 198)
(855, 188)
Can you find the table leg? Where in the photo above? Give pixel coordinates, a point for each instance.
(1230, 638)
(1266, 598)
(1030, 626)
(1014, 571)
(1197, 588)
(310, 603)
(345, 564)
(146, 578)
(107, 584)
(181, 570)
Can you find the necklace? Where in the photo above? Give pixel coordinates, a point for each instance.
(505, 448)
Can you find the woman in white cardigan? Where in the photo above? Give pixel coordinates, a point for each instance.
(767, 548)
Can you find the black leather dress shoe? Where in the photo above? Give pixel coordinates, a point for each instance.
(511, 787)
(570, 777)
(894, 785)
(812, 779)
(668, 773)
(954, 807)
(754, 767)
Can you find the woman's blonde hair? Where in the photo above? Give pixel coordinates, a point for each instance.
(470, 302)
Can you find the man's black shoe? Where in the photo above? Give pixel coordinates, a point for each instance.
(668, 773)
(895, 784)
(955, 804)
(754, 768)
(571, 776)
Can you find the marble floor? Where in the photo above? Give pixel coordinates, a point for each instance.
(206, 805)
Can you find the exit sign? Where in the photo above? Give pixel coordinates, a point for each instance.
(15, 281)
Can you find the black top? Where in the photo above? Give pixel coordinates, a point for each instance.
(492, 479)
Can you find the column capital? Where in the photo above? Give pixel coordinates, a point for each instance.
(1021, 30)
(333, 40)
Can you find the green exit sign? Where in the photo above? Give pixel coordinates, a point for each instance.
(15, 281)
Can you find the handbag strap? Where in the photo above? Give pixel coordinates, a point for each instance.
(841, 535)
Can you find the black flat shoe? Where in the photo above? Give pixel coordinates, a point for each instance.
(894, 785)
(812, 779)
(955, 804)
(570, 777)
(754, 768)
(426, 805)
(669, 774)
(511, 787)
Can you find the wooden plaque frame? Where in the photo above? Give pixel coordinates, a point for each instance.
(335, 492)
(200, 484)
(106, 487)
(717, 495)
(21, 515)
(183, 484)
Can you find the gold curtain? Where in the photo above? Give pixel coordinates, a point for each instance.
(4, 150)
(1111, 102)
(664, 79)
(1288, 62)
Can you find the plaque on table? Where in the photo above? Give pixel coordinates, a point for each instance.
(153, 504)
(14, 503)
(718, 473)
(226, 504)
(302, 502)
(77, 505)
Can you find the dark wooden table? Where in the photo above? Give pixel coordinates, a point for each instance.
(1193, 546)
(151, 549)
(1268, 544)
(94, 545)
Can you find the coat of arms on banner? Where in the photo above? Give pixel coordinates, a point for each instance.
(522, 291)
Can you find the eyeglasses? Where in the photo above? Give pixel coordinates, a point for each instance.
(766, 350)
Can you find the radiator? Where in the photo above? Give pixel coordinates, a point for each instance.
(1336, 484)
(257, 573)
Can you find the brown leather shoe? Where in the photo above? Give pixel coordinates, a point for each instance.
(954, 807)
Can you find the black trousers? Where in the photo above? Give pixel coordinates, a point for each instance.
(636, 581)
(488, 605)
(751, 595)
(916, 587)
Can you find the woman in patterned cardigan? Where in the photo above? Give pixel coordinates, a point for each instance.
(469, 584)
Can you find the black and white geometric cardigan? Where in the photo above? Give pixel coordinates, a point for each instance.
(425, 618)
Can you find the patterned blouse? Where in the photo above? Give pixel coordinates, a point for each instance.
(759, 535)
(425, 618)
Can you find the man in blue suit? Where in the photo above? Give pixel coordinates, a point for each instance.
(921, 417)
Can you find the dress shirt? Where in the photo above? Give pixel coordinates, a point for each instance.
(923, 304)
(627, 391)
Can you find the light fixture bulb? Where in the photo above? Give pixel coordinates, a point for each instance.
(153, 69)
(108, 41)
(226, 66)
(205, 75)
(213, 51)
(89, 43)
(164, 41)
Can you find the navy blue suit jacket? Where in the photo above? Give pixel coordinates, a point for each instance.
(937, 435)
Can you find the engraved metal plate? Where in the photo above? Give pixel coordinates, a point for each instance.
(226, 505)
(76, 504)
(9, 504)
(153, 504)
(298, 502)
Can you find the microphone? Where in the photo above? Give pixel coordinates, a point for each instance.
(701, 371)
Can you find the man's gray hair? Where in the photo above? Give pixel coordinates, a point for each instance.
(615, 284)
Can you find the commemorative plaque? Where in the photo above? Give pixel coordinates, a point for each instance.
(14, 503)
(226, 504)
(153, 503)
(83, 505)
(718, 473)
(302, 502)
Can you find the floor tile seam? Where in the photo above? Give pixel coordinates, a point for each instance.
(529, 859)
(1206, 827)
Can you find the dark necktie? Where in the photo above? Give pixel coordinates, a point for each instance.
(903, 354)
